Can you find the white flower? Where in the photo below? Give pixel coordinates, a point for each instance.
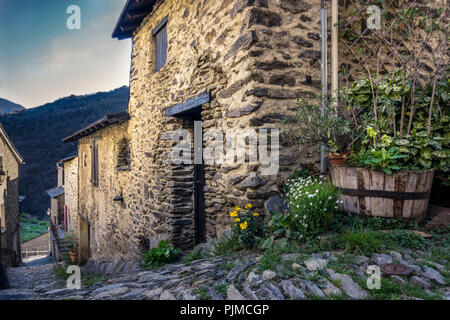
(330, 197)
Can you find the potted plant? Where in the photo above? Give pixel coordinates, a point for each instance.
(72, 238)
(322, 124)
(400, 104)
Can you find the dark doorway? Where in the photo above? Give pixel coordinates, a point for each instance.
(190, 112)
(199, 181)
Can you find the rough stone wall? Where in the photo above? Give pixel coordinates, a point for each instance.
(71, 192)
(109, 220)
(255, 57)
(41, 242)
(11, 238)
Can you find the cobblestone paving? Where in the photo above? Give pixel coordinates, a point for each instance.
(324, 275)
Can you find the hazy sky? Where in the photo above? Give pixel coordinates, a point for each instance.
(41, 60)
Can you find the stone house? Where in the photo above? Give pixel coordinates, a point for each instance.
(70, 165)
(57, 212)
(10, 159)
(233, 65)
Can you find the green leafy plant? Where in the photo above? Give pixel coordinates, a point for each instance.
(319, 123)
(376, 153)
(159, 256)
(312, 203)
(72, 238)
(248, 225)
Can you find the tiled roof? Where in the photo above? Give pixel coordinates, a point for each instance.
(53, 193)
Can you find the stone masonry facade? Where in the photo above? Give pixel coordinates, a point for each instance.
(71, 192)
(9, 200)
(255, 58)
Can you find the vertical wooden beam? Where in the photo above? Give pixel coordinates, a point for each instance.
(334, 49)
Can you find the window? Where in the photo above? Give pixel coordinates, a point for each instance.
(2, 216)
(84, 160)
(160, 35)
(94, 162)
(1, 163)
(123, 156)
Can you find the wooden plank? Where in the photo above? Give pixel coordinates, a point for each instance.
(189, 105)
(389, 185)
(161, 49)
(376, 182)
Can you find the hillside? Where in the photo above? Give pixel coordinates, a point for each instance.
(7, 107)
(37, 134)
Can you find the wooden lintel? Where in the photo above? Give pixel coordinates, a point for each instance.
(188, 106)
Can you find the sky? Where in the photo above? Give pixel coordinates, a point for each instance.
(41, 59)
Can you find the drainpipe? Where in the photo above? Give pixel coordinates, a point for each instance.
(324, 77)
(334, 50)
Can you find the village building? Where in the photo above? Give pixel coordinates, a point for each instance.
(70, 165)
(56, 212)
(233, 65)
(10, 159)
(63, 205)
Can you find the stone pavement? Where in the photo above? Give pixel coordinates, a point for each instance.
(319, 276)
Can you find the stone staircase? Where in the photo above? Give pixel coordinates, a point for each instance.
(109, 268)
(63, 247)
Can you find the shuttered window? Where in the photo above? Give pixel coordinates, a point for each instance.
(160, 34)
(94, 162)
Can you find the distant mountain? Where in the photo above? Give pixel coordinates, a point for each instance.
(37, 134)
(7, 107)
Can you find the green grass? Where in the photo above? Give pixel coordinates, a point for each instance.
(61, 272)
(192, 257)
(91, 280)
(392, 290)
(222, 288)
(227, 246)
(202, 293)
(228, 265)
(361, 242)
(31, 227)
(270, 260)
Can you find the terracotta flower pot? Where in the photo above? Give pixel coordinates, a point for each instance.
(337, 159)
(73, 256)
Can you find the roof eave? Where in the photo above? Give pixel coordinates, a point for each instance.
(132, 17)
(103, 122)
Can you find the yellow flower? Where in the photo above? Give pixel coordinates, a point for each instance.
(256, 214)
(235, 224)
(386, 139)
(237, 208)
(233, 214)
(237, 220)
(248, 206)
(243, 225)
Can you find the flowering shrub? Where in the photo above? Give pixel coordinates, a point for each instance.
(377, 153)
(312, 203)
(248, 225)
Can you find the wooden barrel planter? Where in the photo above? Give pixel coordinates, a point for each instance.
(401, 195)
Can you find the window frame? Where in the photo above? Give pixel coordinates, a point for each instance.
(159, 34)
